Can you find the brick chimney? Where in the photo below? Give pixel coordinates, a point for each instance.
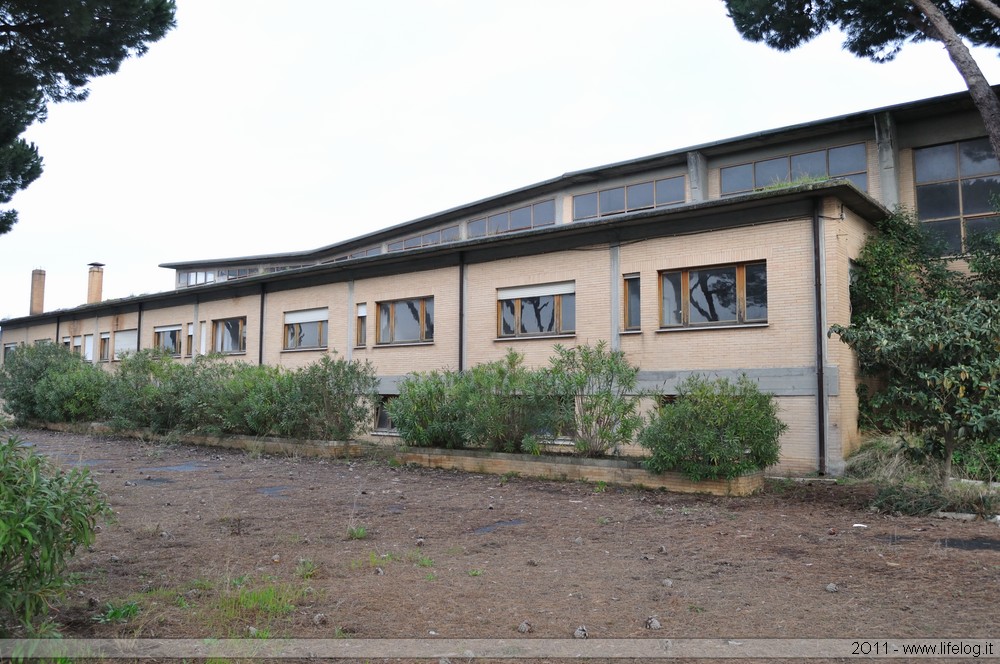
(95, 283)
(37, 292)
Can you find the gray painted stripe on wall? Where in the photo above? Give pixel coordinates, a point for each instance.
(781, 381)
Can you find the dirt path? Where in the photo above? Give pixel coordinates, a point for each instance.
(209, 542)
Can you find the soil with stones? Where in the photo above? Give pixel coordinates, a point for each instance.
(215, 543)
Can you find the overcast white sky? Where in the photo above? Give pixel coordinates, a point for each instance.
(259, 126)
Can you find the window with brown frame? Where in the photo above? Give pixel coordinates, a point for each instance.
(633, 318)
(406, 321)
(714, 295)
(104, 353)
(168, 339)
(535, 311)
(306, 329)
(229, 335)
(361, 326)
(848, 162)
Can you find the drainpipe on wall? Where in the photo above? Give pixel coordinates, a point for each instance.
(461, 311)
(820, 301)
(260, 333)
(138, 330)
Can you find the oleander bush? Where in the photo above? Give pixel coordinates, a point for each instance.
(431, 409)
(716, 429)
(45, 515)
(48, 382)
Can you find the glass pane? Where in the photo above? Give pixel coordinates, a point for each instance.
(935, 201)
(809, 165)
(770, 172)
(291, 336)
(632, 304)
(429, 319)
(451, 234)
(585, 206)
(712, 295)
(374, 251)
(670, 191)
(980, 226)
(613, 200)
(431, 238)
(976, 157)
(410, 243)
(980, 195)
(477, 228)
(233, 336)
(538, 314)
(396, 246)
(756, 275)
(507, 320)
(860, 180)
(670, 285)
(737, 178)
(640, 196)
(384, 332)
(520, 218)
(362, 331)
(498, 223)
(406, 324)
(847, 159)
(312, 335)
(947, 235)
(568, 306)
(544, 213)
(937, 163)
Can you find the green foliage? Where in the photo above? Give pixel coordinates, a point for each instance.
(330, 399)
(46, 381)
(431, 409)
(715, 429)
(510, 407)
(139, 395)
(940, 365)
(49, 53)
(899, 265)
(45, 514)
(117, 613)
(600, 385)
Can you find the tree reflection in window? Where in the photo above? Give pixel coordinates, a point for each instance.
(537, 315)
(406, 321)
(718, 295)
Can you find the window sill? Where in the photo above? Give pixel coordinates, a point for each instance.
(230, 352)
(403, 343)
(629, 332)
(691, 328)
(535, 336)
(305, 350)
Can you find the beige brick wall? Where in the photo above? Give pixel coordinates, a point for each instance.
(788, 338)
(589, 268)
(394, 360)
(332, 296)
(234, 307)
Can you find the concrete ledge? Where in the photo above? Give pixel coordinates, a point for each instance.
(613, 471)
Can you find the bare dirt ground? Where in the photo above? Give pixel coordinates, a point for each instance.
(202, 535)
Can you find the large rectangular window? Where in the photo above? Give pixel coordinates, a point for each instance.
(8, 349)
(957, 188)
(633, 319)
(88, 347)
(716, 295)
(540, 310)
(125, 342)
(536, 215)
(306, 328)
(104, 354)
(168, 339)
(406, 321)
(229, 335)
(848, 162)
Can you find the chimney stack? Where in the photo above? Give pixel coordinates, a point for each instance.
(95, 283)
(37, 292)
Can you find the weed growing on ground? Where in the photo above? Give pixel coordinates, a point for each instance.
(117, 613)
(357, 532)
(305, 569)
(475, 572)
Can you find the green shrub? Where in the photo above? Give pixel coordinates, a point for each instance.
(72, 394)
(330, 399)
(598, 389)
(715, 429)
(509, 407)
(24, 369)
(431, 409)
(138, 397)
(259, 400)
(45, 514)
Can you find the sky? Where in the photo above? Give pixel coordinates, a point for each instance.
(258, 126)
